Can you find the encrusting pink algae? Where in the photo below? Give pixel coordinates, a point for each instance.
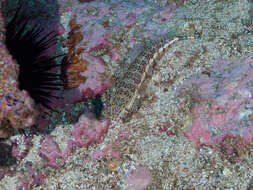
(221, 105)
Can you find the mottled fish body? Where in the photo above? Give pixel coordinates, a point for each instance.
(124, 97)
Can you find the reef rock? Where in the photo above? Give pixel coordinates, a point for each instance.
(17, 109)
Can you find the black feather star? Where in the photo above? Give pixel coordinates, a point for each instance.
(37, 71)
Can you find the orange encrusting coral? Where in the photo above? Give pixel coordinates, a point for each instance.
(75, 64)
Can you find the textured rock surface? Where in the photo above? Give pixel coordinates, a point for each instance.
(221, 110)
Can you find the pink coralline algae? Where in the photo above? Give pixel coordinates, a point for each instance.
(96, 81)
(139, 179)
(88, 131)
(51, 152)
(221, 104)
